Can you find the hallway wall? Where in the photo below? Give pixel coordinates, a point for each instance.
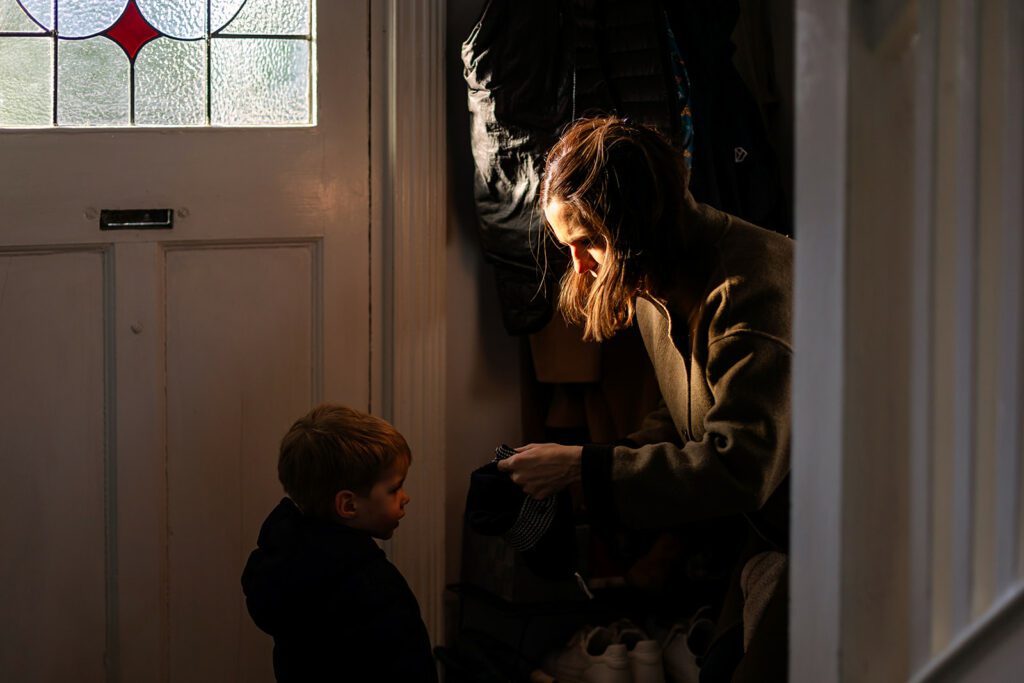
(483, 360)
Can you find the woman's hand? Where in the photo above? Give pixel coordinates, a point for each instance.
(543, 469)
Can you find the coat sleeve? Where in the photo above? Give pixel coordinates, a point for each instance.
(657, 427)
(741, 459)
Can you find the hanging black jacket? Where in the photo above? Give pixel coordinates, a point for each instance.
(337, 608)
(735, 168)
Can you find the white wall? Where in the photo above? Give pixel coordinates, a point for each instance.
(483, 404)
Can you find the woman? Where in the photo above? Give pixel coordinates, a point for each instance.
(711, 295)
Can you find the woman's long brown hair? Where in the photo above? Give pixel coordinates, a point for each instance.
(626, 187)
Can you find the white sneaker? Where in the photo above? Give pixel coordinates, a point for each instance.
(642, 651)
(678, 647)
(591, 656)
(646, 663)
(680, 663)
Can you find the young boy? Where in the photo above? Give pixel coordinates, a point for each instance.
(317, 582)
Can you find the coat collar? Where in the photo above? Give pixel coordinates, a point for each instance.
(705, 228)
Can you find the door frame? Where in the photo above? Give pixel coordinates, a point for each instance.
(961, 610)
(408, 208)
(821, 61)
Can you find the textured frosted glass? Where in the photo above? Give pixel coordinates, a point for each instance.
(26, 75)
(170, 83)
(177, 18)
(78, 18)
(272, 17)
(259, 81)
(41, 11)
(92, 83)
(13, 18)
(222, 11)
(187, 18)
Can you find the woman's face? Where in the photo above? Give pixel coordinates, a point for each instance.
(587, 255)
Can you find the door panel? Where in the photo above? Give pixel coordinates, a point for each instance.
(243, 315)
(53, 526)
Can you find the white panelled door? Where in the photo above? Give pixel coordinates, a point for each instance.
(147, 376)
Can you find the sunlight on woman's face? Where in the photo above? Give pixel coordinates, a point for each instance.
(587, 255)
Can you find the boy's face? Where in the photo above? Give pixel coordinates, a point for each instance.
(379, 512)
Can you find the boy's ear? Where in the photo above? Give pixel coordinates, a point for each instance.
(345, 504)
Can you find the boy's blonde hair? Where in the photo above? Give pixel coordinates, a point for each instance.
(332, 448)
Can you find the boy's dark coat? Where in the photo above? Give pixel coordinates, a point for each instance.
(337, 608)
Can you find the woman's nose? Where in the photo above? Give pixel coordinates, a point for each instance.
(582, 261)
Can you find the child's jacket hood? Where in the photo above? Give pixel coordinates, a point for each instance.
(295, 559)
(337, 609)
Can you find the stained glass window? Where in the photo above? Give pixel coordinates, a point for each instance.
(115, 63)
